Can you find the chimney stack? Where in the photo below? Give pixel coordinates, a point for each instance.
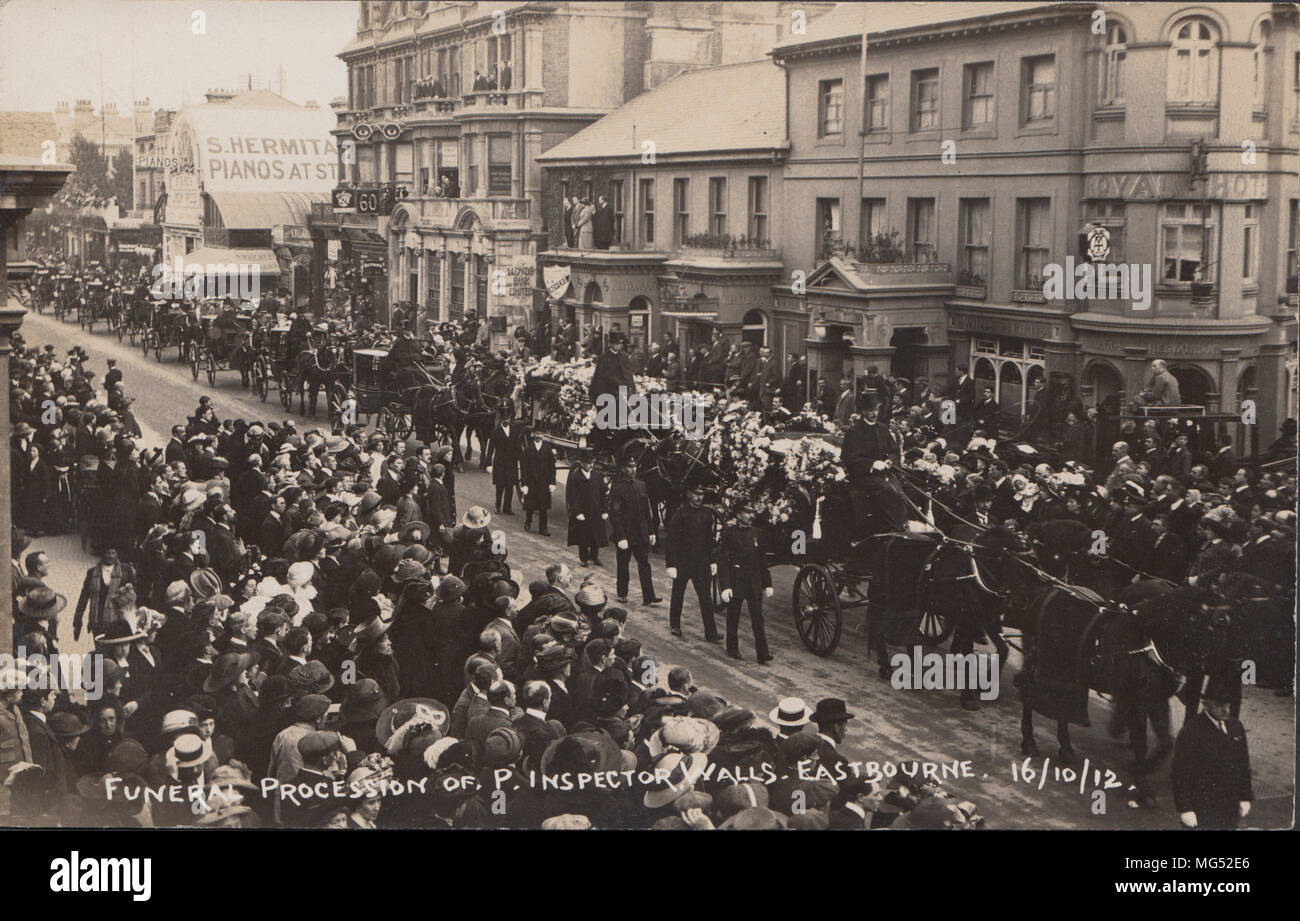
(219, 95)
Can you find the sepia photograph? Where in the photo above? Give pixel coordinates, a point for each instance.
(693, 416)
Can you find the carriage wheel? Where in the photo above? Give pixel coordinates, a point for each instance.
(286, 390)
(336, 396)
(194, 362)
(932, 629)
(211, 364)
(817, 614)
(146, 343)
(259, 379)
(121, 329)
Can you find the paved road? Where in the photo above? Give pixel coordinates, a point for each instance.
(890, 726)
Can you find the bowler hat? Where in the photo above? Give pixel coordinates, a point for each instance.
(831, 710)
(65, 725)
(369, 502)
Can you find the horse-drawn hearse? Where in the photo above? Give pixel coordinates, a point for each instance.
(227, 348)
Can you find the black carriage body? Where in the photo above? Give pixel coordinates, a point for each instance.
(373, 385)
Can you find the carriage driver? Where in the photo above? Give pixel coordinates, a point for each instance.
(225, 330)
(404, 359)
(868, 445)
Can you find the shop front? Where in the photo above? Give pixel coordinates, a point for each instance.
(1015, 352)
(449, 259)
(1219, 365)
(608, 290)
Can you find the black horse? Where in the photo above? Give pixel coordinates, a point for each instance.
(1075, 640)
(319, 368)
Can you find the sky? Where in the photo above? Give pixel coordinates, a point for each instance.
(50, 50)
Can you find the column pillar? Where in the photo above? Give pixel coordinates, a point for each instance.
(11, 317)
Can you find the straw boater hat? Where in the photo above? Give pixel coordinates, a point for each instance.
(792, 712)
(477, 517)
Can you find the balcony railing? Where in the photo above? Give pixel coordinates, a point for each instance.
(443, 211)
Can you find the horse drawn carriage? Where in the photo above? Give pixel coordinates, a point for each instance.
(273, 364)
(67, 295)
(223, 348)
(169, 327)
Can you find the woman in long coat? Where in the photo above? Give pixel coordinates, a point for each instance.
(33, 481)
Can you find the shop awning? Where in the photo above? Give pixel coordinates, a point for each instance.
(263, 261)
(690, 314)
(262, 210)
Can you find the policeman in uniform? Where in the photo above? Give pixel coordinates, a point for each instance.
(743, 576)
(688, 551)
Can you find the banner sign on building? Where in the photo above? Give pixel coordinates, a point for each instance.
(556, 278)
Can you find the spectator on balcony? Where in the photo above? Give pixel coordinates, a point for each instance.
(439, 88)
(480, 82)
(504, 82)
(602, 223)
(582, 226)
(569, 204)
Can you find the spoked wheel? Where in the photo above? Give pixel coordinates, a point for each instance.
(286, 390)
(932, 629)
(337, 397)
(146, 342)
(396, 421)
(121, 329)
(194, 363)
(817, 614)
(210, 363)
(259, 379)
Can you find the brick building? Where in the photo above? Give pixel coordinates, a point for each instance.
(991, 136)
(469, 95)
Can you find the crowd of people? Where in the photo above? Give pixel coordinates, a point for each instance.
(286, 611)
(302, 629)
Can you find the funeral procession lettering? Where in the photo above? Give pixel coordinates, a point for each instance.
(301, 159)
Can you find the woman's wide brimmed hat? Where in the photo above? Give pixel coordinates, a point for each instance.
(119, 631)
(477, 517)
(42, 602)
(398, 714)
